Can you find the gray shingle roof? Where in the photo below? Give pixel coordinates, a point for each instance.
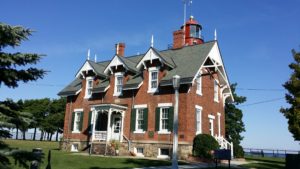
(100, 87)
(184, 62)
(72, 88)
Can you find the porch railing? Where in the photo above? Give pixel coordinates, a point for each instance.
(224, 144)
(100, 135)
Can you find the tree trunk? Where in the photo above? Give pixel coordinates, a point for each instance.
(34, 133)
(42, 135)
(17, 133)
(56, 137)
(24, 136)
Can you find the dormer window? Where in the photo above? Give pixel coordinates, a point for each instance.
(88, 87)
(153, 79)
(118, 84)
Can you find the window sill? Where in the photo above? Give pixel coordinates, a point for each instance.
(199, 93)
(117, 94)
(216, 101)
(152, 91)
(140, 155)
(164, 132)
(198, 132)
(76, 132)
(139, 132)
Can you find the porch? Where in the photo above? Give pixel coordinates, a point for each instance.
(107, 122)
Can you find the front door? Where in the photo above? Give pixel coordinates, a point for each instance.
(116, 127)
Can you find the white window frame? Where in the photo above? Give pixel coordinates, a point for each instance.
(219, 124)
(216, 90)
(163, 156)
(137, 153)
(88, 88)
(118, 75)
(139, 110)
(199, 85)
(198, 109)
(150, 80)
(163, 131)
(74, 147)
(211, 124)
(77, 116)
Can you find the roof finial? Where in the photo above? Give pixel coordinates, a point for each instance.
(88, 54)
(95, 58)
(215, 34)
(152, 41)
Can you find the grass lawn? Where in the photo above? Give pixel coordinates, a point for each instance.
(66, 160)
(264, 162)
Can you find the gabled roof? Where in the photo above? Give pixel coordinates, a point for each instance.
(185, 62)
(152, 54)
(90, 65)
(72, 89)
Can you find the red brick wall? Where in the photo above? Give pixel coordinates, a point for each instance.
(187, 101)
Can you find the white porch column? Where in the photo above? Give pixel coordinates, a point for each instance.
(93, 121)
(108, 132)
(122, 125)
(219, 124)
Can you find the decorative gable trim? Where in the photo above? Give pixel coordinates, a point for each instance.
(149, 56)
(115, 62)
(85, 68)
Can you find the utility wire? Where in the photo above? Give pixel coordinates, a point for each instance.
(261, 102)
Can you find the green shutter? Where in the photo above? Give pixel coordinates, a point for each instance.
(132, 122)
(90, 128)
(171, 118)
(145, 119)
(73, 118)
(81, 121)
(157, 118)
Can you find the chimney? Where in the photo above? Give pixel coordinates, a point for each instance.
(120, 49)
(178, 39)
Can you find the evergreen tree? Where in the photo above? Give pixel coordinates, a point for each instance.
(14, 67)
(234, 123)
(293, 97)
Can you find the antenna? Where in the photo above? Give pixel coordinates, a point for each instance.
(215, 34)
(95, 58)
(152, 41)
(191, 9)
(88, 54)
(184, 20)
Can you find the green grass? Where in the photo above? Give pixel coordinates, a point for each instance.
(66, 160)
(264, 162)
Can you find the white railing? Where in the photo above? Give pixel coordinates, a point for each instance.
(100, 135)
(224, 144)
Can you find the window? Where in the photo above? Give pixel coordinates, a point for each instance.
(139, 151)
(216, 91)
(164, 119)
(153, 79)
(74, 148)
(211, 124)
(89, 87)
(195, 31)
(77, 121)
(199, 85)
(140, 119)
(118, 84)
(163, 153)
(198, 119)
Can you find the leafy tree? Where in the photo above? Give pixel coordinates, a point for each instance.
(234, 123)
(39, 109)
(57, 111)
(293, 97)
(14, 68)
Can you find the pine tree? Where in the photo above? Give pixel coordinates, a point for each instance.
(293, 97)
(234, 122)
(12, 36)
(14, 68)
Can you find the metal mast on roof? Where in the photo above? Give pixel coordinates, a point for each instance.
(88, 54)
(184, 20)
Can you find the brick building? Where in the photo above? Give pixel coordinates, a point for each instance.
(131, 99)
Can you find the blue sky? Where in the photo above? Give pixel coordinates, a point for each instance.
(255, 38)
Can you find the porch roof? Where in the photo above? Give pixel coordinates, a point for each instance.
(109, 106)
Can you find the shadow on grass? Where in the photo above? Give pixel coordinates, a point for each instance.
(265, 165)
(266, 160)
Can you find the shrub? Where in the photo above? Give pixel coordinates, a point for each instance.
(203, 144)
